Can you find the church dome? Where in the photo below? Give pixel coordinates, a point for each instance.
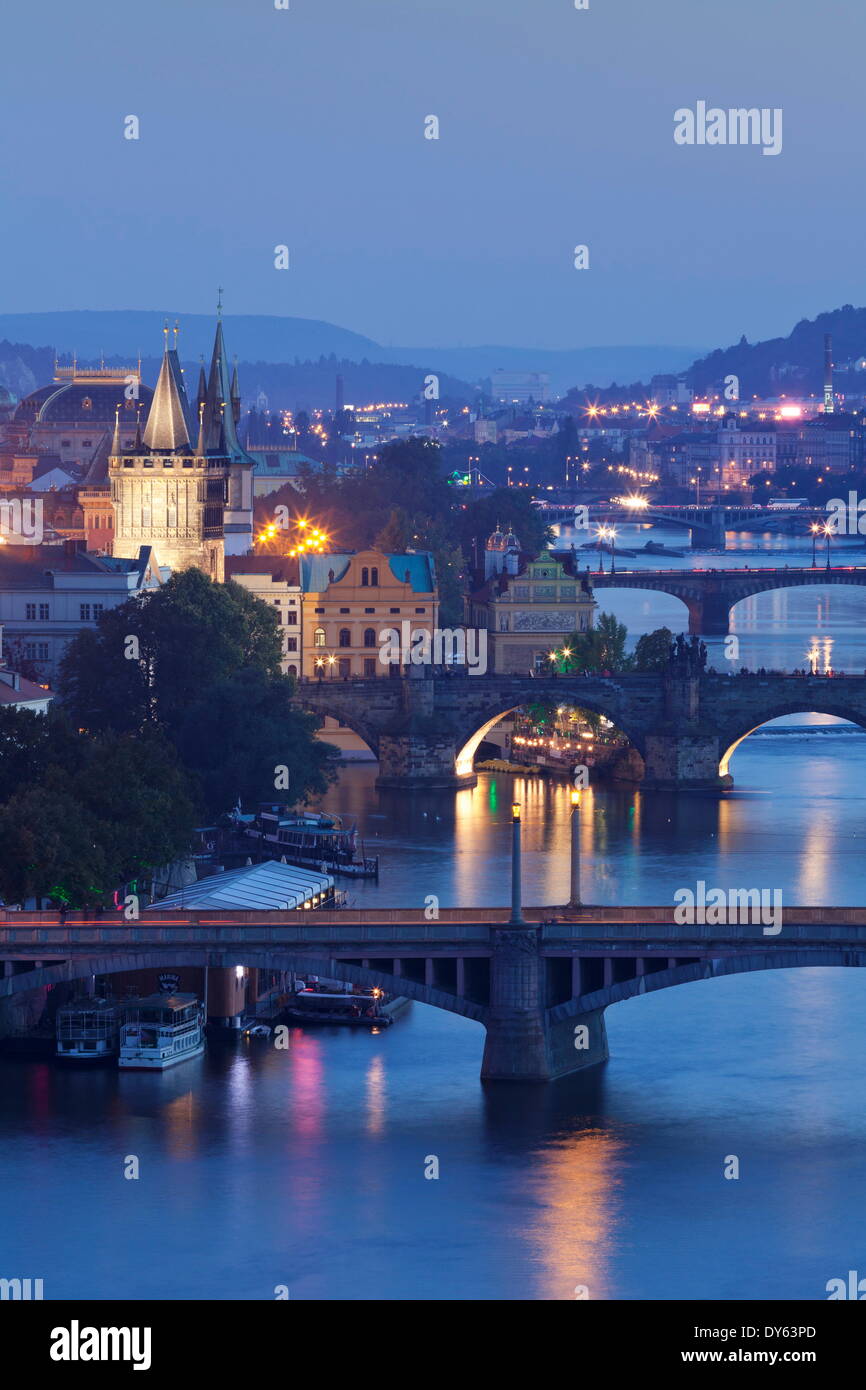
(496, 541)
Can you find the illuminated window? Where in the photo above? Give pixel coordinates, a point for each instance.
(319, 637)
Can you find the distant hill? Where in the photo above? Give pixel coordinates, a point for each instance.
(790, 365)
(265, 338)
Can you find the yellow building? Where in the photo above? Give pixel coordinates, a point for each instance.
(352, 605)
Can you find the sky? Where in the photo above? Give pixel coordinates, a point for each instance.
(304, 128)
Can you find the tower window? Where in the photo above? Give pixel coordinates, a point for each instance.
(365, 578)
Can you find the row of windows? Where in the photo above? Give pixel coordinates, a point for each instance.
(344, 638)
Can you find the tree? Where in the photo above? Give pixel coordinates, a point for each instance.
(239, 735)
(652, 652)
(151, 657)
(394, 536)
(602, 648)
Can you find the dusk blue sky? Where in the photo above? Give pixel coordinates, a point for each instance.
(305, 127)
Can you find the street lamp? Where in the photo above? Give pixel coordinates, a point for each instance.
(517, 919)
(601, 532)
(574, 900)
(812, 658)
(612, 534)
(814, 528)
(828, 531)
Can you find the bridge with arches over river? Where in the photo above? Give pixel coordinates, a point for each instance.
(426, 727)
(539, 987)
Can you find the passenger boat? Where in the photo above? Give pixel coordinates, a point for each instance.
(161, 1030)
(308, 837)
(86, 1030)
(352, 1010)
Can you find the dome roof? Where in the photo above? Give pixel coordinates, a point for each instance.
(496, 541)
(76, 402)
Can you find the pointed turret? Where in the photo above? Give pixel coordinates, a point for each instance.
(166, 428)
(219, 419)
(139, 444)
(200, 446)
(236, 395)
(116, 445)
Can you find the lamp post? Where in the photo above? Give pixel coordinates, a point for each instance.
(612, 534)
(602, 532)
(574, 900)
(815, 528)
(516, 919)
(828, 531)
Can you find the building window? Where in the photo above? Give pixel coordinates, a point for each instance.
(369, 666)
(291, 644)
(30, 612)
(369, 610)
(345, 637)
(374, 577)
(84, 612)
(394, 610)
(369, 637)
(345, 610)
(420, 610)
(44, 612)
(293, 670)
(30, 651)
(365, 578)
(42, 651)
(292, 617)
(345, 666)
(319, 637)
(98, 610)
(320, 610)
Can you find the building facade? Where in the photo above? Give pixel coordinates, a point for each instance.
(50, 593)
(351, 602)
(275, 581)
(528, 607)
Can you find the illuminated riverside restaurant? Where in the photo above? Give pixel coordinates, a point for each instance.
(267, 887)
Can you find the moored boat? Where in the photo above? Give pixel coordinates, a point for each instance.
(86, 1030)
(351, 1010)
(161, 1030)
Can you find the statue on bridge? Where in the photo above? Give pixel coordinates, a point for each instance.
(687, 658)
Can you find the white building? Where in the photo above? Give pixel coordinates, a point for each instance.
(16, 692)
(49, 593)
(275, 580)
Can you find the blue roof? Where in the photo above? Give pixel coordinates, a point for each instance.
(315, 570)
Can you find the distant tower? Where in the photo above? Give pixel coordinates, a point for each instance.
(829, 403)
(340, 394)
(494, 554)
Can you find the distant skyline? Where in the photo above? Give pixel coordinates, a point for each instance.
(305, 128)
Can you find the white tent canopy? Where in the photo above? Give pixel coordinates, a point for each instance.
(266, 887)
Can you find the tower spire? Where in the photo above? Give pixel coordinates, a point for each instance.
(116, 447)
(166, 428)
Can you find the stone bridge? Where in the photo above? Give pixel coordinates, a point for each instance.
(540, 988)
(425, 729)
(709, 595)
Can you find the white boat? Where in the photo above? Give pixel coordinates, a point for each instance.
(86, 1030)
(161, 1030)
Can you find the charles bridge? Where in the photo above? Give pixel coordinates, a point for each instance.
(539, 986)
(425, 728)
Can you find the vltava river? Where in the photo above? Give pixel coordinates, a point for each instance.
(306, 1167)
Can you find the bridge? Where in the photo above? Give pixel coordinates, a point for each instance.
(709, 595)
(707, 523)
(539, 988)
(425, 727)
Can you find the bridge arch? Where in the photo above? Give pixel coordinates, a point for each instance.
(566, 692)
(84, 967)
(730, 738)
(706, 970)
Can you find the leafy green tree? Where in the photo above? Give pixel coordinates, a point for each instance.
(652, 652)
(151, 657)
(49, 848)
(236, 738)
(602, 648)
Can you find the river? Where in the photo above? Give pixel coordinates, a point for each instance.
(306, 1167)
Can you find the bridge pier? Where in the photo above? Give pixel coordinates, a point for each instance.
(683, 762)
(415, 760)
(521, 1044)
